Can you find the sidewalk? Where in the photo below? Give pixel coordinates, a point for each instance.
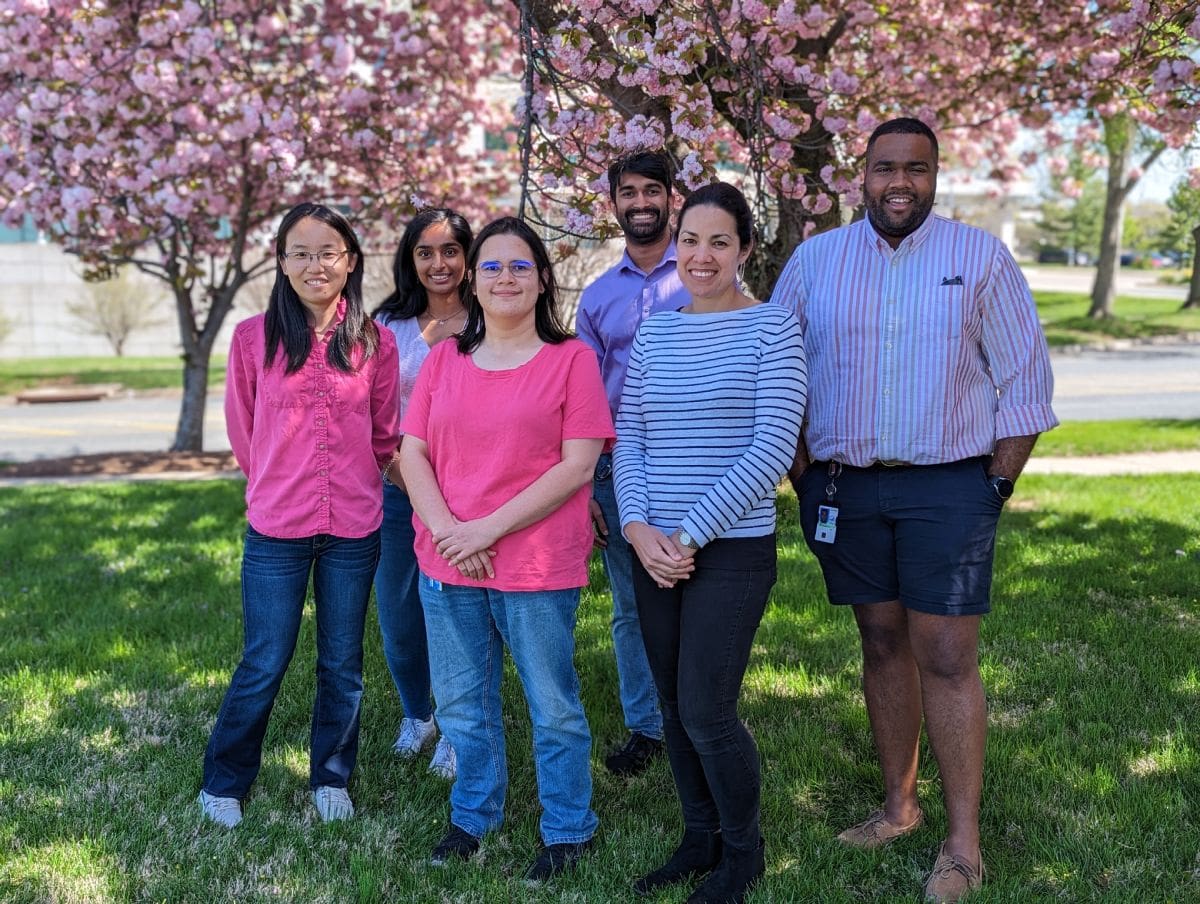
(1132, 463)
(1092, 466)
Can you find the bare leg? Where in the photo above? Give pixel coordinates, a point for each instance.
(892, 687)
(946, 653)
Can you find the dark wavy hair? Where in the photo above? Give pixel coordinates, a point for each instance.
(409, 298)
(728, 199)
(550, 328)
(286, 323)
(657, 166)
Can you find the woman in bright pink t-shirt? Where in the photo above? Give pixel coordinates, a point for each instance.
(501, 438)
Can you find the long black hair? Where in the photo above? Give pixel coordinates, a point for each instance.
(409, 298)
(286, 323)
(550, 328)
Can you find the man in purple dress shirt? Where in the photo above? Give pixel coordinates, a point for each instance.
(610, 311)
(929, 382)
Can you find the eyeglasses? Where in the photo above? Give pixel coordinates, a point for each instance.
(305, 258)
(493, 269)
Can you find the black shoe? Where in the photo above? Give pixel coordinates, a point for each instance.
(634, 756)
(696, 855)
(733, 878)
(553, 859)
(456, 845)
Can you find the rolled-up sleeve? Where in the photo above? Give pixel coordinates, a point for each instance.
(1016, 352)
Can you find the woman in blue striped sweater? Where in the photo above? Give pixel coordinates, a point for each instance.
(708, 425)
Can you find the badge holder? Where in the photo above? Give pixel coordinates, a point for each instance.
(827, 514)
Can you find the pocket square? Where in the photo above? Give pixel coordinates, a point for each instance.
(952, 281)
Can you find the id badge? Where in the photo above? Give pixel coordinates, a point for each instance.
(826, 524)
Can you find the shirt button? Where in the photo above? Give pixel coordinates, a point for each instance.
(324, 498)
(320, 422)
(883, 436)
(320, 445)
(320, 394)
(887, 392)
(888, 345)
(322, 473)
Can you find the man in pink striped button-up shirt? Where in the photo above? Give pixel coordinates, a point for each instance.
(929, 382)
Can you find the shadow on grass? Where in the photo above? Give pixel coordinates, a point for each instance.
(120, 625)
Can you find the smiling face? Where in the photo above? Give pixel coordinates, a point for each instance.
(318, 286)
(899, 185)
(709, 253)
(440, 260)
(505, 298)
(643, 208)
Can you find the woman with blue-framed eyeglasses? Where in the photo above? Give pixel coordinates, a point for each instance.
(310, 406)
(425, 308)
(500, 442)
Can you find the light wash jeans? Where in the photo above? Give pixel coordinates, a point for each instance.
(639, 702)
(468, 629)
(274, 584)
(398, 603)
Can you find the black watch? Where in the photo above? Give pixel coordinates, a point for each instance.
(1002, 485)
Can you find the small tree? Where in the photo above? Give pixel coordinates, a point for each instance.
(1183, 232)
(115, 308)
(1072, 209)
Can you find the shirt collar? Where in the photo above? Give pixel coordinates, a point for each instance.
(908, 244)
(668, 258)
(338, 317)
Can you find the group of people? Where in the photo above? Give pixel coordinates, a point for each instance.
(458, 452)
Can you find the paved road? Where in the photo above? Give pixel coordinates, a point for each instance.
(1144, 381)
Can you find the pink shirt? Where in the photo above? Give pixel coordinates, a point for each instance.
(492, 433)
(311, 443)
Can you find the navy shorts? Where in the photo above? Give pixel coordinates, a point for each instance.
(921, 534)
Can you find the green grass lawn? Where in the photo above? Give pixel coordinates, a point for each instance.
(1064, 318)
(1121, 436)
(120, 625)
(17, 374)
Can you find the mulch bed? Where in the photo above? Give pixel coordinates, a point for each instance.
(123, 463)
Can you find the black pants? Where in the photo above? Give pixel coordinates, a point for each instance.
(698, 637)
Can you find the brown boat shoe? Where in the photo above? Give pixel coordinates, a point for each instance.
(875, 831)
(952, 878)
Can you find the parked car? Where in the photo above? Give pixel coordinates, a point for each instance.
(1053, 256)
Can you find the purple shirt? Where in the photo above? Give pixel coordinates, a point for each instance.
(613, 307)
(924, 354)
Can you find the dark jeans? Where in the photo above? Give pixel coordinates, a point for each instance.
(275, 576)
(698, 637)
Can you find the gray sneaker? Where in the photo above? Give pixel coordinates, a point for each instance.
(224, 811)
(414, 735)
(445, 762)
(332, 803)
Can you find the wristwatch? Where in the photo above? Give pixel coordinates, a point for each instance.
(686, 539)
(1002, 485)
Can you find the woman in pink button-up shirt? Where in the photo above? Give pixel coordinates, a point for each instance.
(310, 405)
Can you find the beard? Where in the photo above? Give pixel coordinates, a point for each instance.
(643, 233)
(885, 223)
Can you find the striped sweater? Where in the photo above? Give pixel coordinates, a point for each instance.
(709, 419)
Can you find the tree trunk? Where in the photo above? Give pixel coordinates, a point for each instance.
(1193, 298)
(197, 350)
(1119, 139)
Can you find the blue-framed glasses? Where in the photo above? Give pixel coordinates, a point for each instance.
(493, 269)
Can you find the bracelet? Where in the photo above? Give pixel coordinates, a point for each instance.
(388, 470)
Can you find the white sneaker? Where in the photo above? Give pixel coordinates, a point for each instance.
(445, 761)
(414, 735)
(224, 811)
(332, 803)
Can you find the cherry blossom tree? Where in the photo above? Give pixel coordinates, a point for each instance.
(170, 136)
(785, 92)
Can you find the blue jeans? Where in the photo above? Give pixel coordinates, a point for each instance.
(638, 699)
(468, 630)
(401, 619)
(275, 576)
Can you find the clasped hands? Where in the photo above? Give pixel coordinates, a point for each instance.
(665, 559)
(469, 546)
